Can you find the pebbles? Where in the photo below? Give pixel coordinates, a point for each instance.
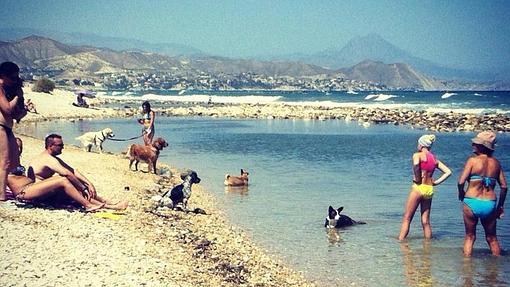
(441, 122)
(42, 247)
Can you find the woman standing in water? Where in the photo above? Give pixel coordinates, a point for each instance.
(482, 171)
(147, 121)
(422, 190)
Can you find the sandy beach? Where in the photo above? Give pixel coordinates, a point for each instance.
(139, 247)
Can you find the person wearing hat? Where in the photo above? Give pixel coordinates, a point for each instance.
(422, 189)
(482, 171)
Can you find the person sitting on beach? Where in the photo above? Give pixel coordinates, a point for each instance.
(30, 106)
(147, 121)
(47, 163)
(27, 190)
(80, 101)
(422, 190)
(482, 171)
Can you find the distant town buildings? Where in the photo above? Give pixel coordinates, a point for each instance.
(163, 80)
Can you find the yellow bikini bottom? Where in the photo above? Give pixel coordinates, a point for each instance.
(427, 191)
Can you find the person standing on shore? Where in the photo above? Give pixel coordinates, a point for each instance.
(10, 86)
(147, 121)
(422, 190)
(482, 171)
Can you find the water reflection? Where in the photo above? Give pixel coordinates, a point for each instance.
(485, 272)
(417, 266)
(242, 190)
(333, 236)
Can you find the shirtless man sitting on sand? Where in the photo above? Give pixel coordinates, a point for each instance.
(25, 189)
(47, 163)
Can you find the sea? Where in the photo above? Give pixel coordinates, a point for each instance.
(298, 168)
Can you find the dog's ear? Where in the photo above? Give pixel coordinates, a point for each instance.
(242, 171)
(331, 209)
(340, 209)
(184, 174)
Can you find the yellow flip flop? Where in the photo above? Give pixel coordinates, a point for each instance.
(107, 215)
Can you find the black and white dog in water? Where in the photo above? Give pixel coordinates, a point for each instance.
(337, 220)
(180, 194)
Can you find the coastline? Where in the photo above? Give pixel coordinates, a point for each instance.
(59, 247)
(452, 121)
(436, 121)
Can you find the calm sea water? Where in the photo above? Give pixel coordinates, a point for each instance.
(298, 168)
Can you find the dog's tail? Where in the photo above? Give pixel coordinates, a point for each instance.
(227, 176)
(128, 151)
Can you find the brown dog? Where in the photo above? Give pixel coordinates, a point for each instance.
(146, 153)
(232, 180)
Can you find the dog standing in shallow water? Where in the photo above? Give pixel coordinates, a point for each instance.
(147, 153)
(337, 220)
(95, 138)
(180, 194)
(231, 180)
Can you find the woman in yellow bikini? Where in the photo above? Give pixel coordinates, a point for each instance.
(422, 190)
(147, 121)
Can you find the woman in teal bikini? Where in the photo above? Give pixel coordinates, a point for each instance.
(482, 171)
(422, 190)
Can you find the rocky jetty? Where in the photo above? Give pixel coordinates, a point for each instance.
(433, 121)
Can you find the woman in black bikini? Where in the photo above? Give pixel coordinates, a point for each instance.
(9, 79)
(24, 189)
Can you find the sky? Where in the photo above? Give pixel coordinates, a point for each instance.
(454, 33)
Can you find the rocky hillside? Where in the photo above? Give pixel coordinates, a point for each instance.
(63, 61)
(392, 75)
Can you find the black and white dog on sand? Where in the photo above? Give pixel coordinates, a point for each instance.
(337, 220)
(180, 194)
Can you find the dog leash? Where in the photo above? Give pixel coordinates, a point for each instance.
(123, 140)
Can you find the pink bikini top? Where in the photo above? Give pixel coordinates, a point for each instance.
(430, 163)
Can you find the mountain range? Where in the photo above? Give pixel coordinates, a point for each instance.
(79, 61)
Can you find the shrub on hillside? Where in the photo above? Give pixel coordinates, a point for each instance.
(44, 85)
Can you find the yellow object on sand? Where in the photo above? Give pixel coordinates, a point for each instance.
(115, 215)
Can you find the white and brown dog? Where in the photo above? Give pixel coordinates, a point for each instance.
(97, 139)
(146, 153)
(231, 180)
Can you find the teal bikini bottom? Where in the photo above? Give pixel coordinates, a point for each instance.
(481, 208)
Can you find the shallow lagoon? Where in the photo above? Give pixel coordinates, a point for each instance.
(298, 168)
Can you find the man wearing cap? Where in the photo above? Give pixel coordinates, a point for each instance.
(482, 172)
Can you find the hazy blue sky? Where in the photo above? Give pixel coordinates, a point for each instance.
(450, 32)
